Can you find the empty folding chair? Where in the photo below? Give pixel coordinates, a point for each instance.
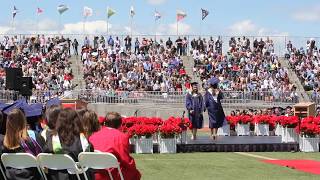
(59, 162)
(99, 160)
(21, 161)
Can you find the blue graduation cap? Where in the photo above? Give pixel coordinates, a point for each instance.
(15, 105)
(29, 110)
(4, 106)
(32, 110)
(213, 81)
(53, 101)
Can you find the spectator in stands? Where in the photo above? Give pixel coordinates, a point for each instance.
(75, 46)
(117, 143)
(45, 60)
(179, 46)
(68, 138)
(306, 63)
(153, 68)
(16, 140)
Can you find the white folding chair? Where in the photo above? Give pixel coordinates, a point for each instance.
(99, 160)
(21, 161)
(3, 173)
(59, 162)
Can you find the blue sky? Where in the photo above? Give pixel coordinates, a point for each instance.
(248, 17)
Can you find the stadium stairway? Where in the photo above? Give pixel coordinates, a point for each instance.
(303, 96)
(188, 64)
(77, 71)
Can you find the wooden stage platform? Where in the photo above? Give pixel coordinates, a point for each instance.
(234, 144)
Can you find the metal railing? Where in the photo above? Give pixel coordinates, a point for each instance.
(157, 97)
(8, 96)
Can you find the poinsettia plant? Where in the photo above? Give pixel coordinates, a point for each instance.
(289, 122)
(183, 123)
(262, 119)
(309, 127)
(139, 130)
(169, 129)
(244, 119)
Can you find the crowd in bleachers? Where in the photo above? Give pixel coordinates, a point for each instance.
(247, 67)
(111, 64)
(306, 63)
(45, 59)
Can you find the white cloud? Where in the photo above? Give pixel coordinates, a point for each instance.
(243, 27)
(156, 2)
(91, 27)
(5, 29)
(171, 29)
(48, 25)
(248, 27)
(311, 14)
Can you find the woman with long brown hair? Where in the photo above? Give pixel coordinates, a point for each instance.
(16, 140)
(67, 138)
(90, 123)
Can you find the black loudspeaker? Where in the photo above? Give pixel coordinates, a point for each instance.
(13, 78)
(26, 86)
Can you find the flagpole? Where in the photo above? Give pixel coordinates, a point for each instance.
(84, 25)
(108, 26)
(12, 24)
(131, 26)
(37, 21)
(155, 27)
(177, 27)
(108, 21)
(60, 28)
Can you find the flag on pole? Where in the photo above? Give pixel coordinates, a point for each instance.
(110, 12)
(180, 15)
(62, 8)
(39, 11)
(14, 12)
(157, 15)
(204, 13)
(87, 12)
(132, 13)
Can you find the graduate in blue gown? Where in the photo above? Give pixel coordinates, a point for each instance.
(195, 107)
(213, 105)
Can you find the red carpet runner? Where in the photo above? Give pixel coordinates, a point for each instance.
(308, 166)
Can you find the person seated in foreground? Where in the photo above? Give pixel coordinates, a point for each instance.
(16, 140)
(110, 139)
(90, 123)
(52, 114)
(67, 138)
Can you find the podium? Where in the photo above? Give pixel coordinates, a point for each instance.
(304, 109)
(74, 104)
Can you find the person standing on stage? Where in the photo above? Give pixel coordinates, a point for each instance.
(212, 102)
(195, 107)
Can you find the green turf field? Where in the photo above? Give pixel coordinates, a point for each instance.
(219, 166)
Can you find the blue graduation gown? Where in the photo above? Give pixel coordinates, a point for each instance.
(215, 110)
(196, 104)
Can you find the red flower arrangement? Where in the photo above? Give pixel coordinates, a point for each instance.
(310, 127)
(184, 123)
(244, 119)
(140, 130)
(262, 119)
(289, 122)
(232, 120)
(169, 130)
